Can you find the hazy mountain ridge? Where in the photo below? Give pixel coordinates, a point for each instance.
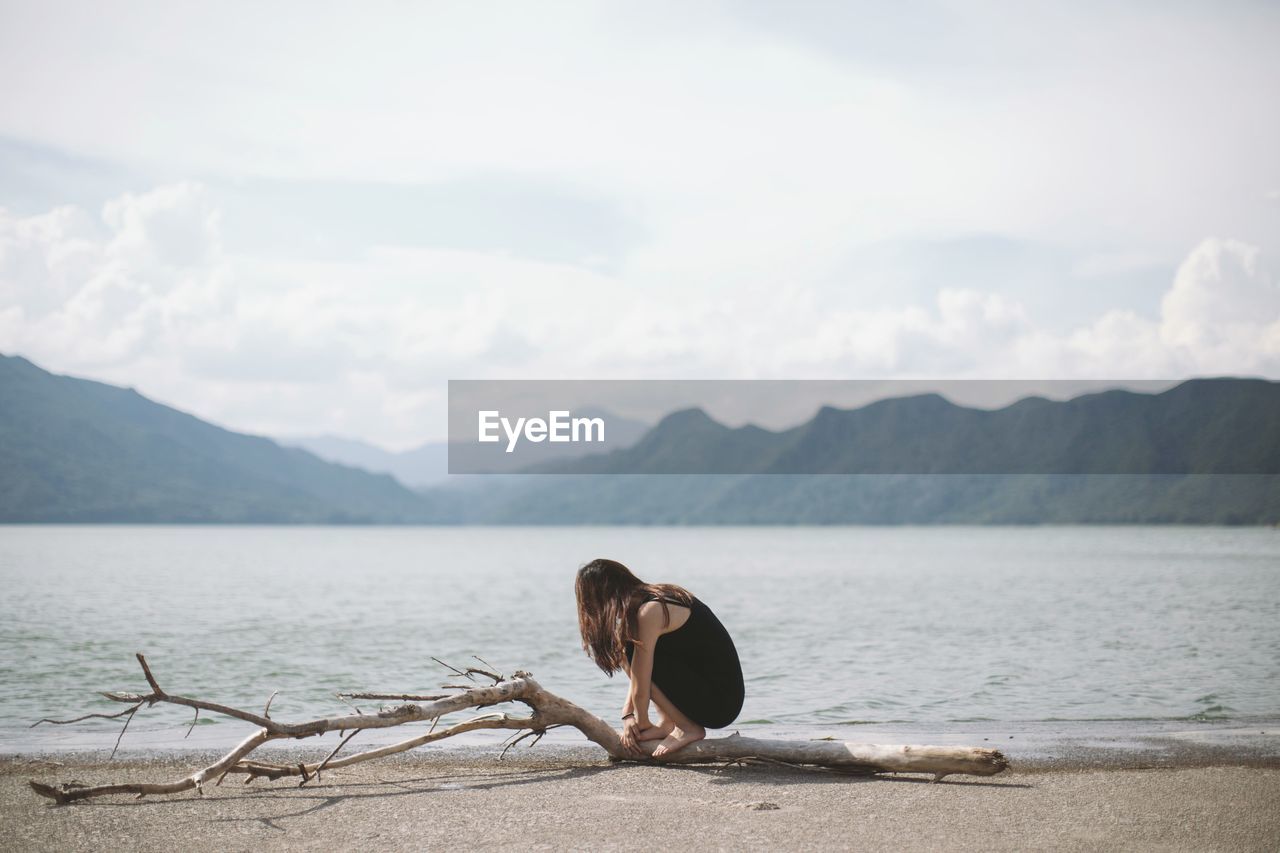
(417, 468)
(427, 465)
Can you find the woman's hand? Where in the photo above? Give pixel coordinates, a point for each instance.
(631, 729)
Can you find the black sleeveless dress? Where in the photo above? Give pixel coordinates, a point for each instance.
(697, 667)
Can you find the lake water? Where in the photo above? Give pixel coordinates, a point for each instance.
(836, 627)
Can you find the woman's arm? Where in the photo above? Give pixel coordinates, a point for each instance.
(641, 675)
(628, 707)
(649, 628)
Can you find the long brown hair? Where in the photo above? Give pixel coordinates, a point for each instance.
(609, 596)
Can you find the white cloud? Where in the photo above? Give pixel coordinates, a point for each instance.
(146, 294)
(1220, 316)
(109, 292)
(1221, 296)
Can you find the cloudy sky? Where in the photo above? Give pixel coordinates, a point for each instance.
(297, 220)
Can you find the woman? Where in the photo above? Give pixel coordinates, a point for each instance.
(672, 646)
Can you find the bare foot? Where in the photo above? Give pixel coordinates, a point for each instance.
(657, 732)
(679, 739)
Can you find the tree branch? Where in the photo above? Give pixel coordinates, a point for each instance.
(548, 711)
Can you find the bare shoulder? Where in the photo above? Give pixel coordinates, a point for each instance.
(650, 617)
(650, 611)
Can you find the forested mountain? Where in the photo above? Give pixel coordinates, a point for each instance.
(76, 450)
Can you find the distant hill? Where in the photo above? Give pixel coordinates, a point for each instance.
(76, 450)
(418, 468)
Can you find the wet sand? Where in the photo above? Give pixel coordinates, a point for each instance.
(569, 798)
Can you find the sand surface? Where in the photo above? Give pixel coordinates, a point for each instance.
(569, 799)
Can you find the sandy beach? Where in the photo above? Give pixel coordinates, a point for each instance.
(568, 798)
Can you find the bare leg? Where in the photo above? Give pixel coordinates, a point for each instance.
(663, 726)
(683, 732)
(657, 731)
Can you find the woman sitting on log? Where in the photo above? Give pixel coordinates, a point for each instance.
(672, 646)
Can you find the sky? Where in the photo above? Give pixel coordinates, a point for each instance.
(303, 219)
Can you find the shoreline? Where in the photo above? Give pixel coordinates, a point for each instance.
(575, 798)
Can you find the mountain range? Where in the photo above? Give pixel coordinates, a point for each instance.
(1201, 426)
(1205, 451)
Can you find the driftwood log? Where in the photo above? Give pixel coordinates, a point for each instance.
(546, 711)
